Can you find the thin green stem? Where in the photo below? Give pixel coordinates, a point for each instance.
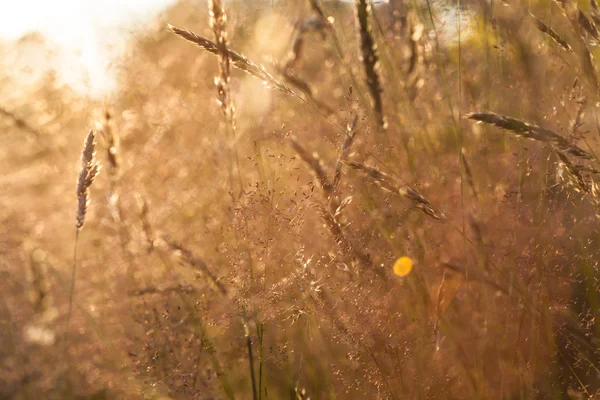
(71, 292)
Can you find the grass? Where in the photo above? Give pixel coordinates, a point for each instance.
(295, 231)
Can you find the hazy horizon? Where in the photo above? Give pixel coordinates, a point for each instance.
(82, 59)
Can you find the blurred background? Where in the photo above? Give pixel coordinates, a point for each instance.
(382, 200)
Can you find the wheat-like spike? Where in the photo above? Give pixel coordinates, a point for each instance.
(578, 18)
(237, 60)
(381, 179)
(370, 58)
(89, 171)
(314, 163)
(388, 183)
(552, 34)
(589, 26)
(422, 203)
(528, 131)
(218, 22)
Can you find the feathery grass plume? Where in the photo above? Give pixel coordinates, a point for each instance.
(542, 27)
(370, 59)
(89, 171)
(314, 162)
(199, 263)
(237, 60)
(388, 183)
(573, 177)
(528, 131)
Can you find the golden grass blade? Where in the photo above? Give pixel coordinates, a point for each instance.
(386, 182)
(552, 34)
(237, 60)
(532, 132)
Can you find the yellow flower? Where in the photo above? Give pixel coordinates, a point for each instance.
(403, 266)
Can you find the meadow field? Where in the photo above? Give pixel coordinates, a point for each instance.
(309, 199)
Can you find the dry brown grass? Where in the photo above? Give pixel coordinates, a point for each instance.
(251, 252)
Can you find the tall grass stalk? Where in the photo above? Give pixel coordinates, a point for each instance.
(370, 59)
(90, 169)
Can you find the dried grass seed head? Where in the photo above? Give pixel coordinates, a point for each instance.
(90, 169)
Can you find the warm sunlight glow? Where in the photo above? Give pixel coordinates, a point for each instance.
(403, 266)
(86, 35)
